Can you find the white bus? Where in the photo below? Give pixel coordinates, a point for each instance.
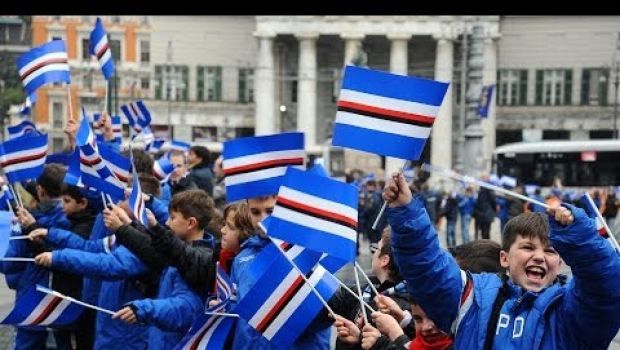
(575, 163)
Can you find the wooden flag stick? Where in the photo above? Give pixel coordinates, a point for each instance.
(221, 314)
(359, 293)
(17, 237)
(73, 300)
(374, 290)
(376, 223)
(69, 100)
(18, 259)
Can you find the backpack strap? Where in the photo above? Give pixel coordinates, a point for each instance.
(502, 296)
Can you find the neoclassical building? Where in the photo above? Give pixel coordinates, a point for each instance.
(300, 60)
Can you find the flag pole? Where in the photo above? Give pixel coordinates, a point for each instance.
(372, 286)
(8, 203)
(73, 300)
(105, 205)
(17, 237)
(18, 259)
(69, 101)
(468, 179)
(105, 97)
(329, 309)
(359, 293)
(221, 314)
(344, 286)
(376, 223)
(600, 217)
(17, 201)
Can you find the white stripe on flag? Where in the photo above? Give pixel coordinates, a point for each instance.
(273, 298)
(105, 58)
(388, 103)
(297, 299)
(207, 337)
(388, 126)
(26, 165)
(45, 69)
(20, 154)
(56, 313)
(46, 57)
(256, 175)
(262, 157)
(291, 253)
(103, 41)
(318, 202)
(314, 223)
(38, 309)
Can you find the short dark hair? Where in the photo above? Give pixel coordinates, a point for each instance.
(51, 179)
(141, 160)
(194, 203)
(479, 256)
(73, 192)
(528, 225)
(202, 152)
(149, 184)
(386, 249)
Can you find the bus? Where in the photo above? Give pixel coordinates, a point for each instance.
(575, 163)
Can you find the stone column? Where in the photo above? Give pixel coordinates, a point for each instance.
(399, 64)
(306, 88)
(441, 147)
(352, 42)
(489, 76)
(264, 91)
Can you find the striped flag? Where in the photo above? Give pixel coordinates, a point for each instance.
(223, 285)
(117, 128)
(317, 213)
(44, 64)
(176, 145)
(100, 48)
(136, 202)
(25, 108)
(254, 166)
(21, 129)
(162, 168)
(35, 308)
(147, 135)
(137, 115)
(23, 158)
(281, 304)
(591, 210)
(155, 146)
(208, 332)
(385, 113)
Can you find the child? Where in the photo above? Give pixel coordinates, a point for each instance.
(530, 308)
(237, 229)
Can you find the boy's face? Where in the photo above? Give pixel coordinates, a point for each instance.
(180, 225)
(530, 264)
(71, 206)
(261, 208)
(379, 262)
(424, 326)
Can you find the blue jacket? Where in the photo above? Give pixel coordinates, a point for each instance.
(166, 193)
(171, 314)
(585, 313)
(159, 209)
(116, 270)
(245, 336)
(466, 205)
(503, 208)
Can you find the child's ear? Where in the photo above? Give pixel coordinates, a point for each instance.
(503, 259)
(193, 223)
(83, 203)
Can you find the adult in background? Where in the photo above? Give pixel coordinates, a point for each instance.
(199, 160)
(484, 210)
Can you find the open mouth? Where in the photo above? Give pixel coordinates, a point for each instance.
(535, 273)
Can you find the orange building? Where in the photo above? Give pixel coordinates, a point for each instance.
(129, 40)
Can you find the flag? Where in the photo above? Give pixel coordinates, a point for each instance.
(35, 308)
(591, 210)
(136, 202)
(386, 114)
(23, 158)
(155, 146)
(117, 127)
(59, 158)
(6, 222)
(317, 213)
(137, 115)
(99, 47)
(44, 64)
(485, 100)
(25, 108)
(162, 168)
(254, 166)
(21, 129)
(147, 135)
(281, 304)
(223, 284)
(181, 146)
(208, 332)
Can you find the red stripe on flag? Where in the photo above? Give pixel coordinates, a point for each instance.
(317, 211)
(388, 112)
(102, 51)
(261, 165)
(91, 162)
(210, 324)
(42, 64)
(48, 310)
(262, 326)
(24, 159)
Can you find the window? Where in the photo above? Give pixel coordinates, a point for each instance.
(145, 51)
(554, 87)
(508, 136)
(115, 46)
(85, 53)
(294, 91)
(145, 83)
(244, 132)
(594, 86)
(556, 135)
(601, 134)
(512, 87)
(246, 85)
(172, 82)
(57, 115)
(209, 83)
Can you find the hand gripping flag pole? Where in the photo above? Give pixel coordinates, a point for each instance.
(329, 309)
(376, 223)
(468, 179)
